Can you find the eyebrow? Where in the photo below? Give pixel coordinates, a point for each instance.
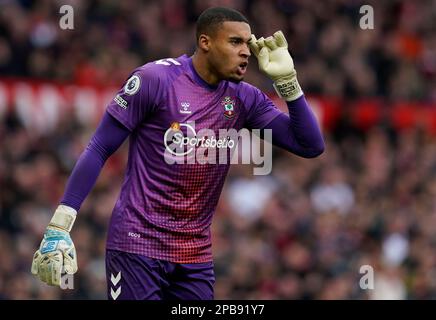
(237, 38)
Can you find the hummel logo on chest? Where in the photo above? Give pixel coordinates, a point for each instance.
(184, 108)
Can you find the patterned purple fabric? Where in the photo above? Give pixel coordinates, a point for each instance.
(165, 210)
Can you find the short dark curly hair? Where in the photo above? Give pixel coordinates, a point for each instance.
(210, 19)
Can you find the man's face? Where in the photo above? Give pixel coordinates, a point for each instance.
(229, 51)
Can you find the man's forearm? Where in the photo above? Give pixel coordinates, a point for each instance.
(299, 132)
(108, 137)
(82, 178)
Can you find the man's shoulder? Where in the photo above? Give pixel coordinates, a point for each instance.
(154, 76)
(163, 68)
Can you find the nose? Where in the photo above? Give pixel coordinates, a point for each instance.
(245, 52)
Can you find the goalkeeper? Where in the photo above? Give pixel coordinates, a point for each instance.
(159, 241)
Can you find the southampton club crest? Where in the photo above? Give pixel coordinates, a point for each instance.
(229, 107)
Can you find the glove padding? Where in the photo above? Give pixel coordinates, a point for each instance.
(276, 62)
(56, 253)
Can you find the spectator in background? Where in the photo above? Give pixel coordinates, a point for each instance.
(291, 249)
(395, 59)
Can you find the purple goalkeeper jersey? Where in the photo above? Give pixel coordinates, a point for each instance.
(165, 210)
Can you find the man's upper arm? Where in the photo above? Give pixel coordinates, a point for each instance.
(138, 97)
(260, 109)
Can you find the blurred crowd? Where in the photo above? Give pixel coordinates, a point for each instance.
(333, 55)
(316, 224)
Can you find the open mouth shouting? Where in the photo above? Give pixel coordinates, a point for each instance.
(242, 68)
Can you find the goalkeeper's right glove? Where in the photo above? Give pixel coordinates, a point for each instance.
(275, 61)
(56, 253)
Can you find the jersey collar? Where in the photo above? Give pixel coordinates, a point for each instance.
(196, 77)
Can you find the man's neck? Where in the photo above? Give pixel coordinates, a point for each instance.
(202, 68)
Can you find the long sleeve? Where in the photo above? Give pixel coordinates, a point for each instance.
(299, 131)
(108, 137)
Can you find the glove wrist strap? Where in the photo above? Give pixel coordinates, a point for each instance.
(63, 218)
(288, 87)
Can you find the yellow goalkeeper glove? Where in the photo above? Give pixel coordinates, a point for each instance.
(275, 61)
(56, 253)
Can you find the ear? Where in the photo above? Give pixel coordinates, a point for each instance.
(204, 42)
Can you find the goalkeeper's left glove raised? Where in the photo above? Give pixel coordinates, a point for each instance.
(56, 253)
(276, 62)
